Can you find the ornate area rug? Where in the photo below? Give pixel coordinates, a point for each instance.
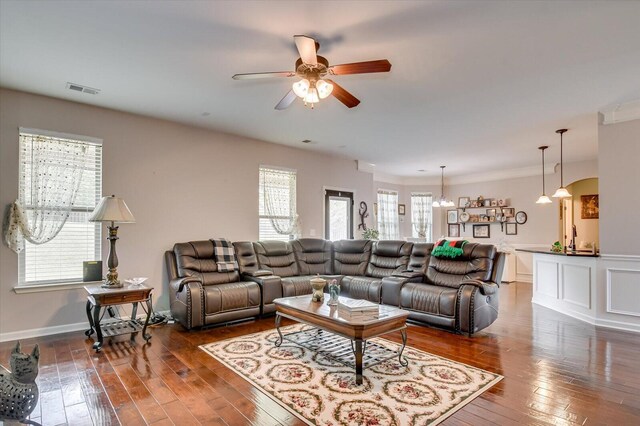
(322, 391)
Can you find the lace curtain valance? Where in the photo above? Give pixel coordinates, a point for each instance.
(51, 171)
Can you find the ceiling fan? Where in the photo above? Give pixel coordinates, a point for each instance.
(312, 69)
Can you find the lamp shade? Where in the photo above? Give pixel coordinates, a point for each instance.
(112, 209)
(544, 200)
(561, 193)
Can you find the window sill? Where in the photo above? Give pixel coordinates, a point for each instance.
(38, 288)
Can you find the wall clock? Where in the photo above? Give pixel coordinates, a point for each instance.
(521, 217)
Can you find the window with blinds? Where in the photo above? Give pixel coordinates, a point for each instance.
(279, 186)
(60, 260)
(422, 215)
(388, 219)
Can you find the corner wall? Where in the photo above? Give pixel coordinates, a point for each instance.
(182, 183)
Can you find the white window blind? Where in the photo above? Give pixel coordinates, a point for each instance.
(422, 215)
(277, 204)
(388, 215)
(60, 260)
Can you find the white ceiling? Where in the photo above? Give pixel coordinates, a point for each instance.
(475, 85)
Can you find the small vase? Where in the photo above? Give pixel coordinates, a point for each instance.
(317, 284)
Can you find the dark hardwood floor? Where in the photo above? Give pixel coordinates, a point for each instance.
(557, 370)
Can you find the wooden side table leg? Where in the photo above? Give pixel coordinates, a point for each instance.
(96, 324)
(146, 336)
(89, 332)
(134, 314)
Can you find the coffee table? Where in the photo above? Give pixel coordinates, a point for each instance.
(350, 345)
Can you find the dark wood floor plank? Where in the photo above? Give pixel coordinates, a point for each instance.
(557, 371)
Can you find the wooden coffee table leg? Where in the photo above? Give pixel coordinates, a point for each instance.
(280, 338)
(358, 361)
(403, 362)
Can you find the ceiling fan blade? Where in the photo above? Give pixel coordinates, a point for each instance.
(307, 49)
(286, 101)
(381, 65)
(254, 75)
(342, 95)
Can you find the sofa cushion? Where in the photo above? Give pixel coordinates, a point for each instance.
(367, 288)
(231, 297)
(196, 259)
(429, 298)
(277, 257)
(313, 256)
(350, 257)
(296, 286)
(388, 257)
(476, 262)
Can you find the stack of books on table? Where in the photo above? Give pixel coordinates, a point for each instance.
(356, 308)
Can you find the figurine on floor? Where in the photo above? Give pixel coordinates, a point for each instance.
(18, 388)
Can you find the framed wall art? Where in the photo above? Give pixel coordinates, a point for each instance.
(452, 216)
(590, 206)
(454, 230)
(401, 209)
(511, 228)
(463, 202)
(481, 231)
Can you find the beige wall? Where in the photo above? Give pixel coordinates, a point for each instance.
(619, 172)
(181, 183)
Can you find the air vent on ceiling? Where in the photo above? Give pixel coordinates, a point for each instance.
(306, 141)
(83, 89)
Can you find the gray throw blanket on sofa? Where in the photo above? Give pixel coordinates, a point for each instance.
(225, 255)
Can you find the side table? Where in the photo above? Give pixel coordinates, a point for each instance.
(99, 298)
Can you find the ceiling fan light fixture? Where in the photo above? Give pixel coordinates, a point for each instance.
(301, 88)
(324, 89)
(311, 97)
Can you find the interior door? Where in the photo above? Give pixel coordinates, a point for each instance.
(338, 215)
(567, 204)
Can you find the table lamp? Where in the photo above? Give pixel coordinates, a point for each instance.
(112, 209)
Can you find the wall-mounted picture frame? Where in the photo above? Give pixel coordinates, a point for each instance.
(487, 202)
(452, 216)
(509, 212)
(401, 209)
(454, 230)
(463, 202)
(375, 209)
(491, 212)
(590, 206)
(511, 228)
(494, 203)
(481, 231)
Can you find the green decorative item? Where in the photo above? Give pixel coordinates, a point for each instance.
(556, 247)
(371, 234)
(446, 248)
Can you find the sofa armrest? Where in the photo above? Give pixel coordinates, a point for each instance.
(179, 283)
(186, 301)
(391, 287)
(487, 288)
(270, 287)
(258, 273)
(409, 274)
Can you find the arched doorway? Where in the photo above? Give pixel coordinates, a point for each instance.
(579, 216)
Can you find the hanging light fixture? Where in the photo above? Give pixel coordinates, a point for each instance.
(442, 202)
(312, 90)
(562, 191)
(543, 198)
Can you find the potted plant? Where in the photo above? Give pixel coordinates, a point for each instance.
(371, 234)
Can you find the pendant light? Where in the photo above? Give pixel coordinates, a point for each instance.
(562, 191)
(442, 202)
(543, 198)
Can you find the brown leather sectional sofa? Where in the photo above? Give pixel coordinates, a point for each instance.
(460, 295)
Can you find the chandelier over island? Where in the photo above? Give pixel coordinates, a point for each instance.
(442, 201)
(562, 191)
(543, 198)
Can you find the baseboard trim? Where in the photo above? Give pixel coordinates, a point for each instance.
(44, 331)
(598, 322)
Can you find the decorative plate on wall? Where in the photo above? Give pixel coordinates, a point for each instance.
(521, 217)
(464, 217)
